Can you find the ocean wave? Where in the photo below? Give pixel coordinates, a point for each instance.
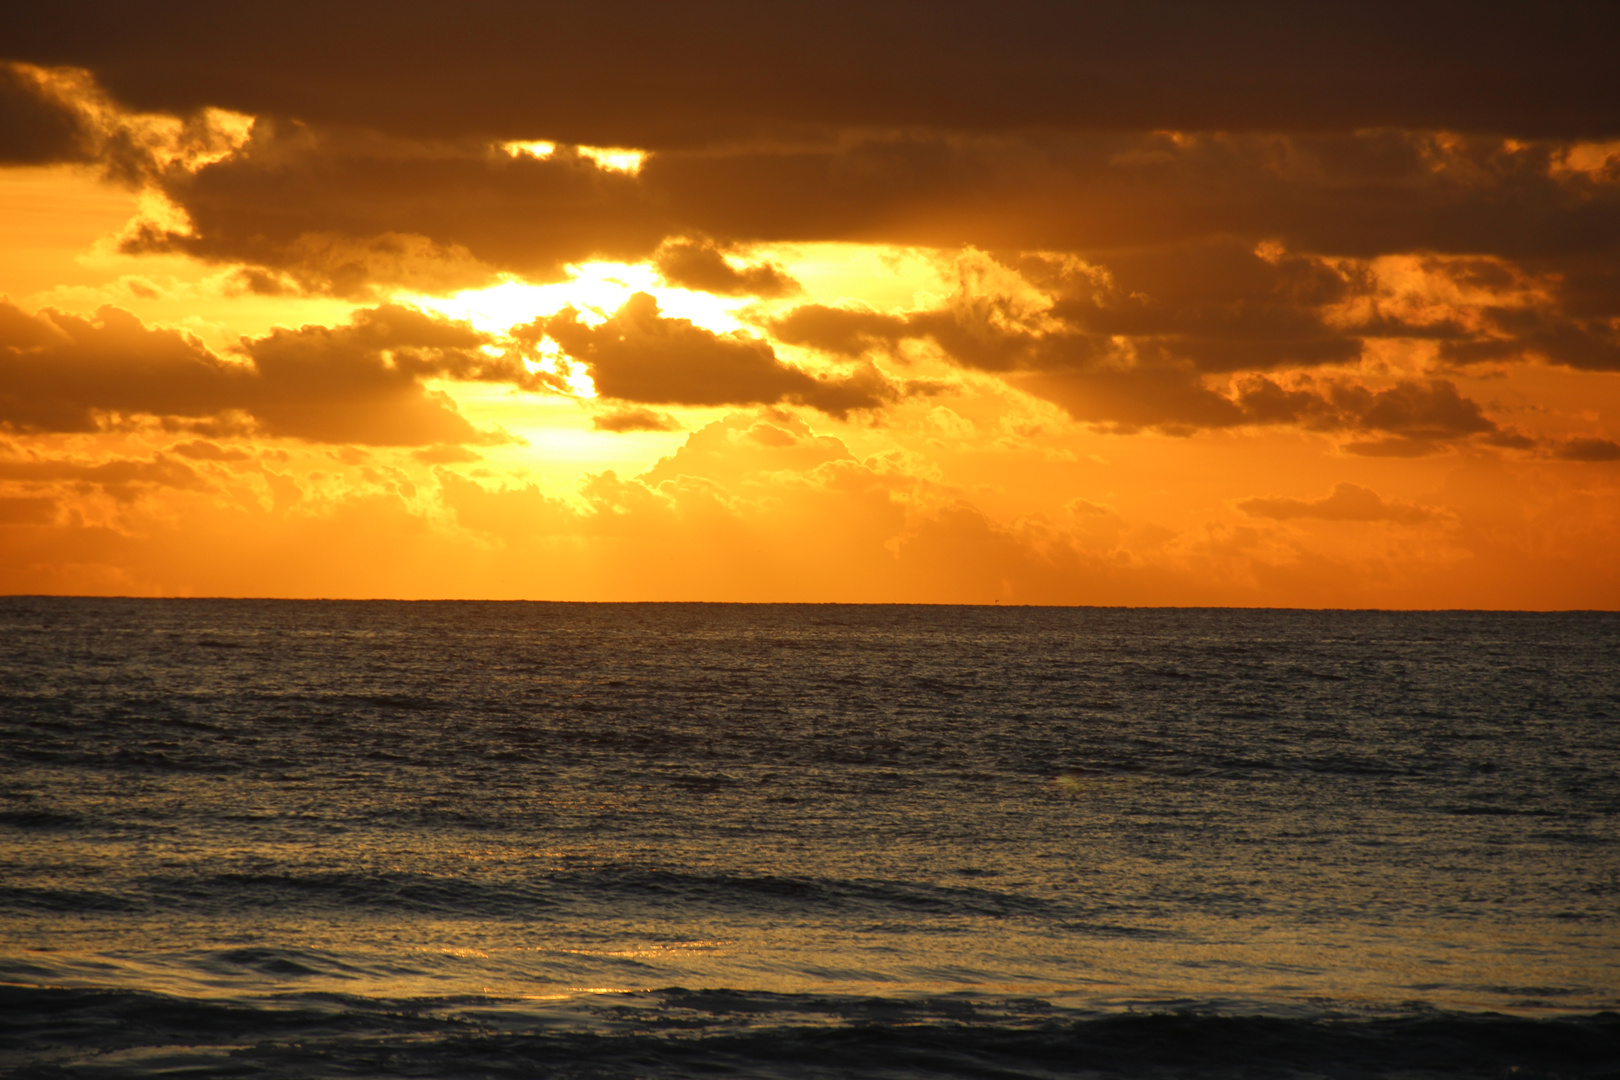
(54, 1033)
(386, 800)
(626, 889)
(65, 901)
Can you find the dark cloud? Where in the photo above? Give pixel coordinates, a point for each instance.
(640, 356)
(1349, 502)
(360, 383)
(1179, 222)
(1229, 252)
(1127, 359)
(1215, 307)
(694, 265)
(640, 74)
(337, 208)
(53, 116)
(838, 330)
(36, 126)
(623, 420)
(1415, 410)
(981, 332)
(363, 383)
(1204, 223)
(123, 479)
(338, 211)
(1174, 400)
(1220, 306)
(1359, 194)
(57, 371)
(1588, 450)
(1591, 344)
(1410, 417)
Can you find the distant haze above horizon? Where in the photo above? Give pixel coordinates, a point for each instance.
(1168, 304)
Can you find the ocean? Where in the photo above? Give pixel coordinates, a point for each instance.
(249, 838)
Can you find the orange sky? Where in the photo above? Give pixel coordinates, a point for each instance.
(291, 325)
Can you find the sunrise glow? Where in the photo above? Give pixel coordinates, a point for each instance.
(1183, 362)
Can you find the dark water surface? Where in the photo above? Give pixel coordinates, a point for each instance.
(309, 839)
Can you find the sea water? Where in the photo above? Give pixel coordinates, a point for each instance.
(304, 839)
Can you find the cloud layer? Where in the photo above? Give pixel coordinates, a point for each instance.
(360, 383)
(634, 74)
(1153, 303)
(638, 355)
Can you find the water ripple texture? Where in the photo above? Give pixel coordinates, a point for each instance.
(263, 838)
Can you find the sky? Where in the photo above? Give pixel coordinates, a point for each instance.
(1025, 303)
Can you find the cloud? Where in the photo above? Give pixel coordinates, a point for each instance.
(745, 451)
(1129, 399)
(1159, 217)
(359, 383)
(1349, 502)
(1228, 250)
(1110, 352)
(504, 512)
(1224, 308)
(1588, 450)
(623, 420)
(1418, 414)
(36, 126)
(695, 265)
(1359, 194)
(675, 70)
(1591, 344)
(1224, 252)
(446, 455)
(203, 450)
(58, 370)
(1220, 306)
(61, 114)
(1128, 360)
(762, 506)
(843, 331)
(123, 479)
(341, 210)
(1417, 410)
(638, 355)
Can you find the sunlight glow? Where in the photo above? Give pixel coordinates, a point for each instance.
(615, 158)
(595, 289)
(154, 210)
(531, 149)
(882, 276)
(575, 376)
(559, 447)
(579, 380)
